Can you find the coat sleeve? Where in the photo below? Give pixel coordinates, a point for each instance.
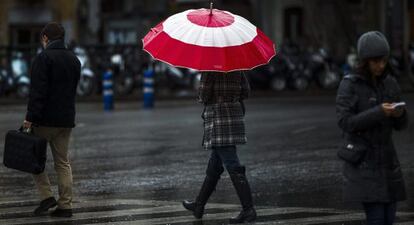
(245, 87)
(205, 90)
(38, 89)
(401, 122)
(349, 120)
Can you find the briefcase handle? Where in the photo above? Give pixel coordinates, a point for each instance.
(26, 130)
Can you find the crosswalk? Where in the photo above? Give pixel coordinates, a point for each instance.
(100, 211)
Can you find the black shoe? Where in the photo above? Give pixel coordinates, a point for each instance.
(61, 213)
(246, 215)
(44, 206)
(197, 209)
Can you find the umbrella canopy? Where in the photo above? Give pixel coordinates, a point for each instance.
(209, 40)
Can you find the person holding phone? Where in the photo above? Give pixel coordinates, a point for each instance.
(369, 108)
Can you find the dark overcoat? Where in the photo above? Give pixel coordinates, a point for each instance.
(378, 178)
(55, 74)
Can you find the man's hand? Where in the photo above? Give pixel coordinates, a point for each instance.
(27, 124)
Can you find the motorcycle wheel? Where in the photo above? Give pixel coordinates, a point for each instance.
(196, 81)
(2, 87)
(300, 83)
(278, 84)
(124, 85)
(23, 91)
(85, 86)
(411, 75)
(328, 79)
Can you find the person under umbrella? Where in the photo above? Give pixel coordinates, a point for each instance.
(222, 95)
(217, 43)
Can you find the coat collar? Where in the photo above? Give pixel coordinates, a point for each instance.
(369, 81)
(56, 44)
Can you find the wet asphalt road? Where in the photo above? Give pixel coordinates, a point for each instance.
(133, 153)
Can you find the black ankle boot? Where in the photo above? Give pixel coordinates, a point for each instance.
(197, 207)
(240, 183)
(246, 215)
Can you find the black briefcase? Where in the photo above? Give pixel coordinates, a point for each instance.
(25, 152)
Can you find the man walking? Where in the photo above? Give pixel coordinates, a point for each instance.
(55, 74)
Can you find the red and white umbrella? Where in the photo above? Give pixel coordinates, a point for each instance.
(209, 40)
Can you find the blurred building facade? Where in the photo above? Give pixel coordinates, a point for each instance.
(336, 24)
(333, 24)
(22, 20)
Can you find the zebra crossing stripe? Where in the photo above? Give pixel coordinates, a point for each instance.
(332, 219)
(207, 217)
(151, 212)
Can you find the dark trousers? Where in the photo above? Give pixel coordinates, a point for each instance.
(380, 213)
(220, 156)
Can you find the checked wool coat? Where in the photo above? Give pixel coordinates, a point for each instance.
(222, 95)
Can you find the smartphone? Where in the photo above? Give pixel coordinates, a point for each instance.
(398, 104)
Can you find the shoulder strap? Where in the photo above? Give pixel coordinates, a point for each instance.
(352, 77)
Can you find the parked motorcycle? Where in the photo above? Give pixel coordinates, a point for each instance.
(20, 81)
(351, 62)
(87, 79)
(123, 78)
(321, 68)
(4, 77)
(272, 76)
(177, 78)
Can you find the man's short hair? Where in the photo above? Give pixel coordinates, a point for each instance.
(53, 31)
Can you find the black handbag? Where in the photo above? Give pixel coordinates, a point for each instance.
(25, 152)
(353, 151)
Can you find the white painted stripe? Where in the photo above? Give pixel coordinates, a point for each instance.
(107, 83)
(172, 206)
(148, 80)
(207, 217)
(92, 215)
(327, 219)
(108, 202)
(180, 28)
(303, 130)
(148, 90)
(108, 92)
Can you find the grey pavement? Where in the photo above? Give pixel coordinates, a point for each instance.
(134, 166)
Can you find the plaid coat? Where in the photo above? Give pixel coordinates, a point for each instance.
(222, 95)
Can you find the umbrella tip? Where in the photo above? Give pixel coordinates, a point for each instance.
(211, 8)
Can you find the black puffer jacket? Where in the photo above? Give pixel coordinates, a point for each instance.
(378, 178)
(55, 73)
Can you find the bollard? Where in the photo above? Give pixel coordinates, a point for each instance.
(107, 90)
(148, 88)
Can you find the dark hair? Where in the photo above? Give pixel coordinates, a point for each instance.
(362, 67)
(53, 31)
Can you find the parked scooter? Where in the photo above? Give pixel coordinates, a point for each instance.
(321, 68)
(294, 63)
(124, 79)
(20, 81)
(351, 62)
(272, 76)
(411, 61)
(177, 78)
(4, 81)
(87, 79)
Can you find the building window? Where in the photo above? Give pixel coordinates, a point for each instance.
(293, 23)
(111, 6)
